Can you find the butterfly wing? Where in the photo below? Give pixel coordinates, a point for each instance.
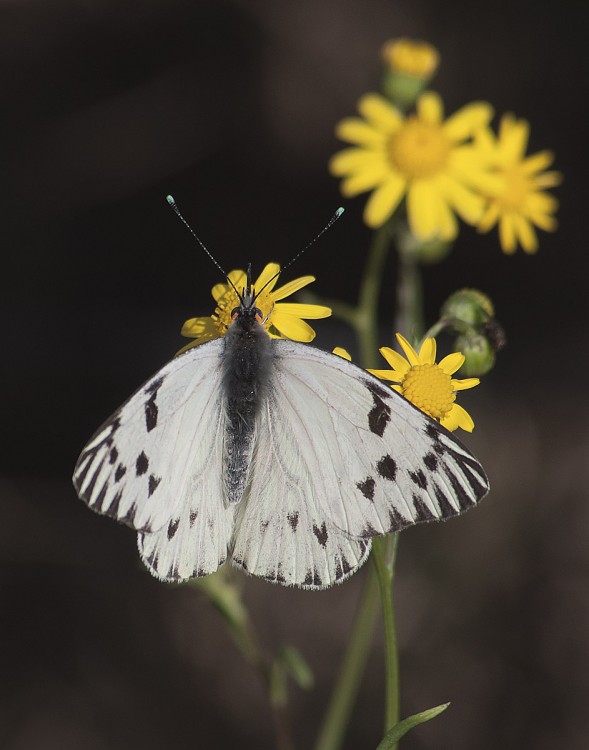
(156, 465)
(282, 533)
(349, 459)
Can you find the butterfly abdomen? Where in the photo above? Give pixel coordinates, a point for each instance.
(247, 366)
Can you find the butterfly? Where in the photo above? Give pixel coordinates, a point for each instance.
(279, 457)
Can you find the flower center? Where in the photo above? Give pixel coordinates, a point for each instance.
(419, 149)
(517, 188)
(430, 389)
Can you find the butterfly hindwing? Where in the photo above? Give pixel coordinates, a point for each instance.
(379, 464)
(282, 533)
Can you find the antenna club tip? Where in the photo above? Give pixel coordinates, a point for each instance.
(339, 211)
(170, 200)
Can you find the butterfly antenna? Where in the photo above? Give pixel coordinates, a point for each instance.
(329, 224)
(178, 213)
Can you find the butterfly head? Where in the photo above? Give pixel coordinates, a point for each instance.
(247, 308)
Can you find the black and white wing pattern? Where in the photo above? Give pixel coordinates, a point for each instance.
(156, 465)
(340, 458)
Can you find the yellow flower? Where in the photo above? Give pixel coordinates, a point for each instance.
(282, 320)
(434, 164)
(428, 385)
(412, 57)
(521, 201)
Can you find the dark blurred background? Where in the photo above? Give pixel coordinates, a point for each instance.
(230, 106)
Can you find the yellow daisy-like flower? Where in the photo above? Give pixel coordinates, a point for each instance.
(433, 163)
(521, 202)
(428, 385)
(282, 320)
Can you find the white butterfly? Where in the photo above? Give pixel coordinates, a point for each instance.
(282, 458)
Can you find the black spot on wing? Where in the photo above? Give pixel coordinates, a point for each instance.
(89, 491)
(367, 488)
(431, 461)
(293, 520)
(173, 528)
(424, 512)
(113, 508)
(153, 484)
(193, 517)
(151, 412)
(368, 531)
(380, 414)
(312, 579)
(419, 478)
(464, 499)
(387, 468)
(129, 517)
(141, 464)
(321, 534)
(120, 472)
(155, 386)
(446, 507)
(100, 497)
(114, 454)
(396, 520)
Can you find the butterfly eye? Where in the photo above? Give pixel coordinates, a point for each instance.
(259, 315)
(234, 313)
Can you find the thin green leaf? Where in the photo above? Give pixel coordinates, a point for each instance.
(297, 666)
(391, 738)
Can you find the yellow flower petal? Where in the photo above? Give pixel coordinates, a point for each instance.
(525, 234)
(458, 417)
(268, 278)
(300, 310)
(463, 200)
(422, 200)
(466, 121)
(507, 234)
(514, 141)
(291, 287)
(395, 360)
(374, 172)
(292, 327)
(451, 363)
(380, 113)
(430, 108)
(464, 384)
(352, 160)
(410, 352)
(391, 375)
(384, 200)
(343, 353)
(427, 353)
(357, 131)
(198, 327)
(537, 162)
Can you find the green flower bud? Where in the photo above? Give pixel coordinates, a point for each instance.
(479, 354)
(408, 67)
(468, 307)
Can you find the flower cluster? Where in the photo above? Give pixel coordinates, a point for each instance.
(437, 168)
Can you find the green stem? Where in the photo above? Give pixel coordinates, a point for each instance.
(384, 552)
(409, 295)
(366, 322)
(346, 689)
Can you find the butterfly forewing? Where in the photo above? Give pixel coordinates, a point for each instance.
(380, 463)
(142, 465)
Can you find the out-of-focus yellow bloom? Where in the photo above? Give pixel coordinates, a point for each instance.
(431, 162)
(520, 203)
